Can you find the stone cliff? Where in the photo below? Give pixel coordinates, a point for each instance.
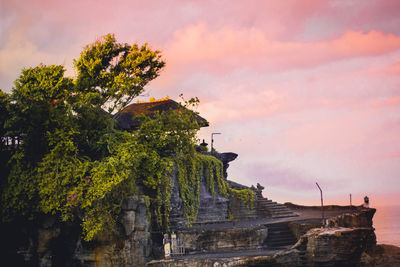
(347, 240)
(48, 242)
(227, 233)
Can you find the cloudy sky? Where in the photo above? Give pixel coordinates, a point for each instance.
(303, 91)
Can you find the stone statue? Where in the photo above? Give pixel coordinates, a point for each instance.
(259, 190)
(167, 246)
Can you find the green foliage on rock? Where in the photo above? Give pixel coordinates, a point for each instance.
(19, 189)
(188, 173)
(3, 112)
(191, 168)
(247, 196)
(71, 161)
(36, 107)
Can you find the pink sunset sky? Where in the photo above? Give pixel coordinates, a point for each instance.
(303, 91)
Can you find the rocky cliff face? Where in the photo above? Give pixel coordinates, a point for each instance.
(346, 242)
(211, 208)
(341, 243)
(129, 245)
(319, 247)
(337, 246)
(233, 239)
(381, 256)
(49, 242)
(362, 218)
(299, 228)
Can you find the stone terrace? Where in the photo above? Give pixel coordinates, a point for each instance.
(249, 237)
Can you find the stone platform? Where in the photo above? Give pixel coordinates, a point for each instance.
(286, 241)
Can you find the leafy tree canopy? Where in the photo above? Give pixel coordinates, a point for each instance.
(67, 159)
(64, 135)
(112, 74)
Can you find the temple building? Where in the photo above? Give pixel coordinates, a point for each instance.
(127, 121)
(212, 208)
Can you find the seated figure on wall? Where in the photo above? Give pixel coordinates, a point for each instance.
(366, 202)
(258, 190)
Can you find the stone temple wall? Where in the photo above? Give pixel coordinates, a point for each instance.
(211, 208)
(49, 242)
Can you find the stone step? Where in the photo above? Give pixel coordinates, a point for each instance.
(278, 213)
(279, 235)
(281, 238)
(264, 200)
(281, 216)
(267, 203)
(276, 227)
(273, 208)
(200, 223)
(280, 243)
(281, 211)
(269, 208)
(282, 235)
(270, 205)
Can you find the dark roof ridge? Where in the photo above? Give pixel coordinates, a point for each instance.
(127, 121)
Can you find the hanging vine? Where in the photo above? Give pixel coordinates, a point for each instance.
(188, 175)
(191, 169)
(213, 174)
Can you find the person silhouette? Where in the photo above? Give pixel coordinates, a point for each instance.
(366, 202)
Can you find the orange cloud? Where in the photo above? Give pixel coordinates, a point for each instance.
(388, 102)
(393, 69)
(219, 51)
(238, 105)
(394, 155)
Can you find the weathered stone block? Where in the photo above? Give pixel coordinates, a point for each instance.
(128, 221)
(337, 245)
(362, 218)
(130, 203)
(141, 222)
(223, 239)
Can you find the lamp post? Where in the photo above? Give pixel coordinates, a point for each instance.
(212, 141)
(322, 205)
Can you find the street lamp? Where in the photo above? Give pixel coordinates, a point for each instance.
(212, 141)
(322, 205)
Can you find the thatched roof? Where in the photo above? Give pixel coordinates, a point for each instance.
(127, 121)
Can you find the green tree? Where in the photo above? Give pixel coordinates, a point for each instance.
(4, 152)
(36, 107)
(3, 112)
(72, 162)
(111, 74)
(65, 134)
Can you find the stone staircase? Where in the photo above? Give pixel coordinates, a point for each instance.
(267, 208)
(264, 208)
(279, 236)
